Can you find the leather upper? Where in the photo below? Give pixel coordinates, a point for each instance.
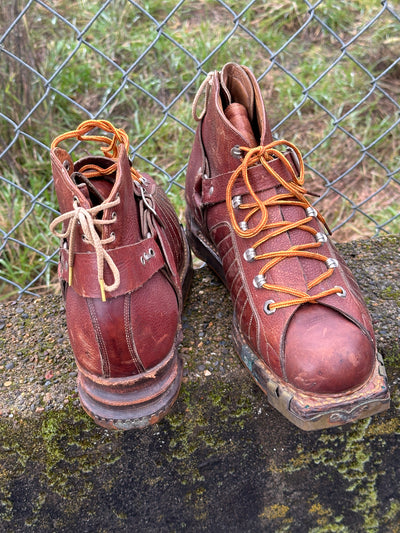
(331, 363)
(137, 325)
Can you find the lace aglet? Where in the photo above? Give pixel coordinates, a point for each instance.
(102, 290)
(70, 276)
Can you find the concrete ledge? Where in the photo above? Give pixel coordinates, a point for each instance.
(222, 460)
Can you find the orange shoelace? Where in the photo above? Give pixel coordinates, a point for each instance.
(111, 150)
(86, 218)
(294, 197)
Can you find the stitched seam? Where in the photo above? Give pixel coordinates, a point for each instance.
(105, 361)
(232, 264)
(186, 256)
(228, 236)
(130, 341)
(232, 284)
(243, 306)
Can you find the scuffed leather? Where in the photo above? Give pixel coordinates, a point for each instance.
(330, 363)
(136, 328)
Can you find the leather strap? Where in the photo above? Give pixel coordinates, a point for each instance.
(214, 189)
(136, 264)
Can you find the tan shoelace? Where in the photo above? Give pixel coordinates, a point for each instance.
(295, 197)
(87, 217)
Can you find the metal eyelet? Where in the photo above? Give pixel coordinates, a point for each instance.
(311, 212)
(249, 255)
(112, 234)
(331, 262)
(147, 256)
(114, 215)
(75, 200)
(342, 293)
(66, 165)
(236, 201)
(84, 238)
(321, 237)
(267, 309)
(259, 281)
(243, 225)
(236, 152)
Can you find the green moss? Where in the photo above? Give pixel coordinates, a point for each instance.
(192, 431)
(325, 519)
(392, 355)
(350, 455)
(191, 425)
(271, 512)
(59, 443)
(392, 516)
(389, 293)
(384, 427)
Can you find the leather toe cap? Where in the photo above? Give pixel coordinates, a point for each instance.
(325, 352)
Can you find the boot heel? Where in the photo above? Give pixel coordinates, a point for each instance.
(131, 402)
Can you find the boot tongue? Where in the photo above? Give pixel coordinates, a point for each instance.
(83, 189)
(237, 87)
(237, 99)
(237, 115)
(88, 188)
(95, 189)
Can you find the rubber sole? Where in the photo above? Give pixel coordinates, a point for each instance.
(141, 400)
(131, 402)
(307, 411)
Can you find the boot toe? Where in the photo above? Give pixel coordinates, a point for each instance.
(325, 353)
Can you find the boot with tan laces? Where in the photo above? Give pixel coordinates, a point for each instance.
(124, 270)
(300, 324)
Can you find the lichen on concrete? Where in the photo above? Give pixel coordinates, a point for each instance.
(222, 460)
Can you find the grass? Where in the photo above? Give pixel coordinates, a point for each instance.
(144, 80)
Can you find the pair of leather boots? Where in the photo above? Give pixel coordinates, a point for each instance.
(300, 325)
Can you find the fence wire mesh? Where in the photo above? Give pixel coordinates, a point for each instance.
(329, 72)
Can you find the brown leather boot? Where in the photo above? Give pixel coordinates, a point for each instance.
(300, 324)
(124, 269)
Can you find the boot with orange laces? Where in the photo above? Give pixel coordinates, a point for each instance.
(300, 324)
(124, 270)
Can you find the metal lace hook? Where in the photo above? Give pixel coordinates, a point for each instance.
(146, 202)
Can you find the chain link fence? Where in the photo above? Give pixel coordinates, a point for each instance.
(329, 71)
